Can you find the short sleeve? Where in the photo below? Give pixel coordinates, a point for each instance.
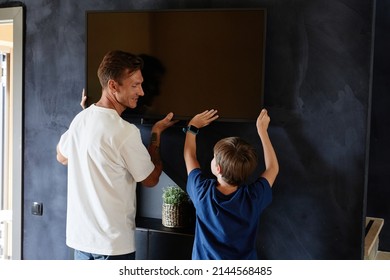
(136, 157)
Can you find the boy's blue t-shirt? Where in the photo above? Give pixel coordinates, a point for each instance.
(226, 225)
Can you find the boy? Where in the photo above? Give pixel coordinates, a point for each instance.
(228, 209)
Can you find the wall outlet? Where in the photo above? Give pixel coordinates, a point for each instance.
(37, 208)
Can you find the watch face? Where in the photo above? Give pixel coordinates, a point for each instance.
(193, 129)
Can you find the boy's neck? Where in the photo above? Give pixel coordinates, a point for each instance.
(225, 188)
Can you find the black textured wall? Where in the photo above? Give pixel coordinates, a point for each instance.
(317, 92)
(378, 194)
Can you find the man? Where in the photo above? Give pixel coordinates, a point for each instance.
(106, 158)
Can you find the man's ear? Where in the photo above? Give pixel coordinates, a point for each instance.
(112, 85)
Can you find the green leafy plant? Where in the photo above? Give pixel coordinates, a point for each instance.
(174, 195)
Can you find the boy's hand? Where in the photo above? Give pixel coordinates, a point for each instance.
(262, 121)
(203, 119)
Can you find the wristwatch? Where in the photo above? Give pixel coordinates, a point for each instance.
(191, 128)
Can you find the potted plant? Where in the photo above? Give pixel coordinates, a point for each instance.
(175, 207)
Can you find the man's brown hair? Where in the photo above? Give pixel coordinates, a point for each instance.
(116, 64)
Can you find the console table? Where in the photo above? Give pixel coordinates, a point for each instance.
(157, 242)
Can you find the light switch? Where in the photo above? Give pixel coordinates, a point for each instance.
(37, 208)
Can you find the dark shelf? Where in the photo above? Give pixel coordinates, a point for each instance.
(156, 225)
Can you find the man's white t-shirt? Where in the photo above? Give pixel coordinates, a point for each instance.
(106, 157)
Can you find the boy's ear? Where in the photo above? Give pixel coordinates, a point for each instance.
(218, 168)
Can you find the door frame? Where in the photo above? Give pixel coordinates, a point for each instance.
(15, 15)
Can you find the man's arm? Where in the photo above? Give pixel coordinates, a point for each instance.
(199, 121)
(270, 159)
(154, 150)
(60, 157)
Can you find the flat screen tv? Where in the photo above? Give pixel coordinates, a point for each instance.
(194, 59)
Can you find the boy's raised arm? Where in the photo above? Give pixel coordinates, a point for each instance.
(198, 121)
(270, 159)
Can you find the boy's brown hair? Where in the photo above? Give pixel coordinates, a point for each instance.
(237, 159)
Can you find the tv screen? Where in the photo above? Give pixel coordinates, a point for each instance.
(194, 59)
